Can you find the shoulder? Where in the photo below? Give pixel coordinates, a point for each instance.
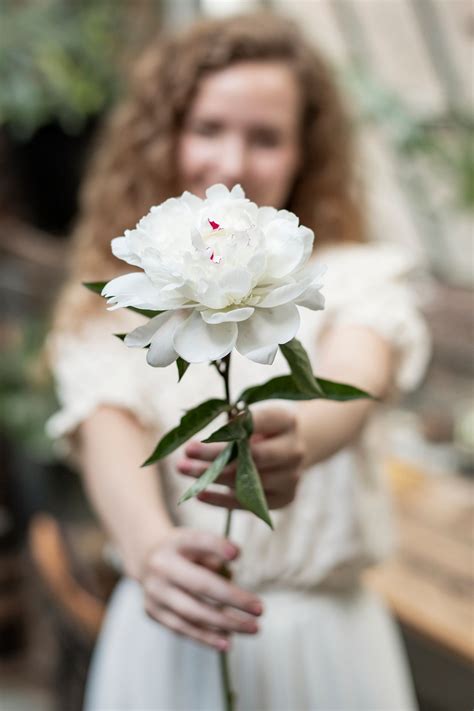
(92, 332)
(382, 287)
(354, 269)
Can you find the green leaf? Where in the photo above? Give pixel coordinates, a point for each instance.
(238, 428)
(248, 423)
(145, 312)
(281, 388)
(284, 388)
(97, 286)
(122, 336)
(193, 421)
(183, 365)
(248, 487)
(300, 365)
(210, 475)
(341, 391)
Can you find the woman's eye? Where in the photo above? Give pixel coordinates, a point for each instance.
(266, 140)
(205, 129)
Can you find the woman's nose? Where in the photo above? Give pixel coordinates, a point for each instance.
(233, 160)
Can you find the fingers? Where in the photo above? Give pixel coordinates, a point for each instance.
(284, 450)
(276, 453)
(201, 614)
(227, 501)
(267, 422)
(206, 452)
(279, 452)
(211, 561)
(180, 626)
(270, 421)
(201, 582)
(197, 467)
(203, 542)
(275, 500)
(184, 591)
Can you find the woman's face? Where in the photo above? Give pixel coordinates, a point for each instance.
(243, 127)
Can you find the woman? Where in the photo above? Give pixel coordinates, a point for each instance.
(246, 101)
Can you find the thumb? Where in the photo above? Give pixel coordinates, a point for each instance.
(210, 560)
(204, 542)
(268, 421)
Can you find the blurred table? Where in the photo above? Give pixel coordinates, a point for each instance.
(429, 583)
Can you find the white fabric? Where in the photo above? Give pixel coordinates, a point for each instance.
(315, 652)
(339, 521)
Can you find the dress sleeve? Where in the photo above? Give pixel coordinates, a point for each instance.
(382, 287)
(92, 368)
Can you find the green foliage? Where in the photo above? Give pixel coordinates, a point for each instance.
(284, 387)
(27, 397)
(95, 286)
(238, 428)
(58, 61)
(248, 487)
(342, 392)
(192, 422)
(182, 365)
(442, 142)
(211, 474)
(300, 366)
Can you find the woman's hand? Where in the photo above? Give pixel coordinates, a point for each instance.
(278, 449)
(184, 591)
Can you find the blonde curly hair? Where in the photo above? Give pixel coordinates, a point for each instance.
(134, 167)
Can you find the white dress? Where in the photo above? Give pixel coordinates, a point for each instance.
(325, 642)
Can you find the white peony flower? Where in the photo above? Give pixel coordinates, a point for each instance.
(225, 272)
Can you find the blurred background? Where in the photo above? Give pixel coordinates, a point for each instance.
(407, 69)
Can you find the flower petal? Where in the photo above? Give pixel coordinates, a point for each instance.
(193, 202)
(264, 356)
(312, 298)
(235, 315)
(289, 247)
(197, 341)
(265, 215)
(142, 336)
(284, 294)
(161, 352)
(287, 215)
(132, 290)
(237, 192)
(267, 327)
(121, 248)
(236, 283)
(217, 192)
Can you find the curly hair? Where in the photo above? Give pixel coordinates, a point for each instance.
(133, 166)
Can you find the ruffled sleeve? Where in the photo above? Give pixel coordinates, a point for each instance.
(383, 287)
(91, 368)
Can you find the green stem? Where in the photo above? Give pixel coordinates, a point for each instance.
(229, 695)
(228, 522)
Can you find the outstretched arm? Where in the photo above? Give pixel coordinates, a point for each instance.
(352, 354)
(126, 497)
(177, 567)
(285, 441)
